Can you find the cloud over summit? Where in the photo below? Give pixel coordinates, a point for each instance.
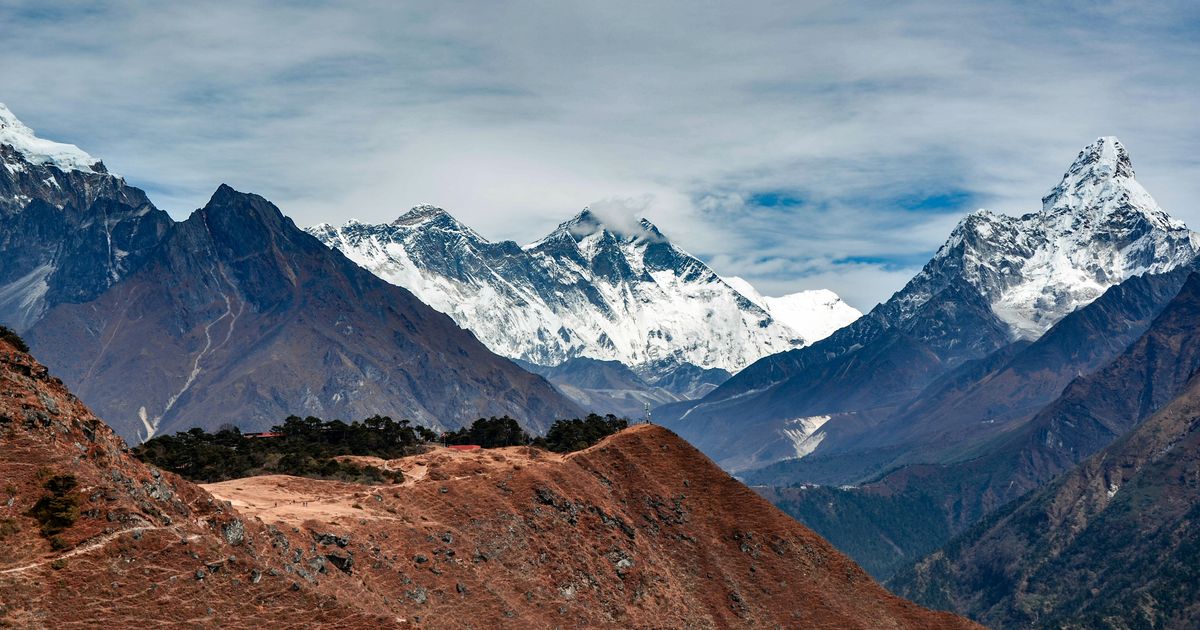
(798, 145)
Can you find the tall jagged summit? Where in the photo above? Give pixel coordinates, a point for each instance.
(589, 289)
(424, 212)
(1096, 228)
(1102, 169)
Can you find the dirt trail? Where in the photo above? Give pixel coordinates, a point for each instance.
(92, 546)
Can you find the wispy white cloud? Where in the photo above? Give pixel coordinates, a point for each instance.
(795, 144)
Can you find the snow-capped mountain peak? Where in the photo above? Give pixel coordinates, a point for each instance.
(1096, 228)
(422, 212)
(590, 288)
(1100, 183)
(39, 151)
(815, 313)
(589, 226)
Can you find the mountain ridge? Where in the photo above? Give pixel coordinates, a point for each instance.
(941, 500)
(594, 290)
(996, 279)
(633, 532)
(1112, 539)
(240, 313)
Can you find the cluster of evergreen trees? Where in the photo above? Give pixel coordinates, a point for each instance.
(490, 433)
(308, 447)
(564, 436)
(305, 447)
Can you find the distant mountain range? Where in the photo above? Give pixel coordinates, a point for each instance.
(234, 315)
(997, 281)
(587, 290)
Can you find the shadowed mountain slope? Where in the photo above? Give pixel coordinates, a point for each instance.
(238, 316)
(1113, 543)
(911, 511)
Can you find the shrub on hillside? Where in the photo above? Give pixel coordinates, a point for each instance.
(7, 334)
(58, 509)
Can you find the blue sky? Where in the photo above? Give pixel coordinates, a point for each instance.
(797, 144)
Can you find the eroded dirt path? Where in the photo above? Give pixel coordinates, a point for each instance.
(91, 546)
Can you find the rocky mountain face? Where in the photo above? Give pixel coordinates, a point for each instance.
(588, 289)
(913, 510)
(1113, 543)
(1097, 227)
(950, 419)
(995, 281)
(641, 530)
(69, 229)
(240, 316)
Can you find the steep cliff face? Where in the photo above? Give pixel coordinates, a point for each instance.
(69, 229)
(239, 316)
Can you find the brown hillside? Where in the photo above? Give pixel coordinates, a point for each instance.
(147, 546)
(639, 531)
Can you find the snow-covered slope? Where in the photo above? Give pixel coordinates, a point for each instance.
(35, 150)
(69, 229)
(1096, 228)
(585, 290)
(815, 314)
